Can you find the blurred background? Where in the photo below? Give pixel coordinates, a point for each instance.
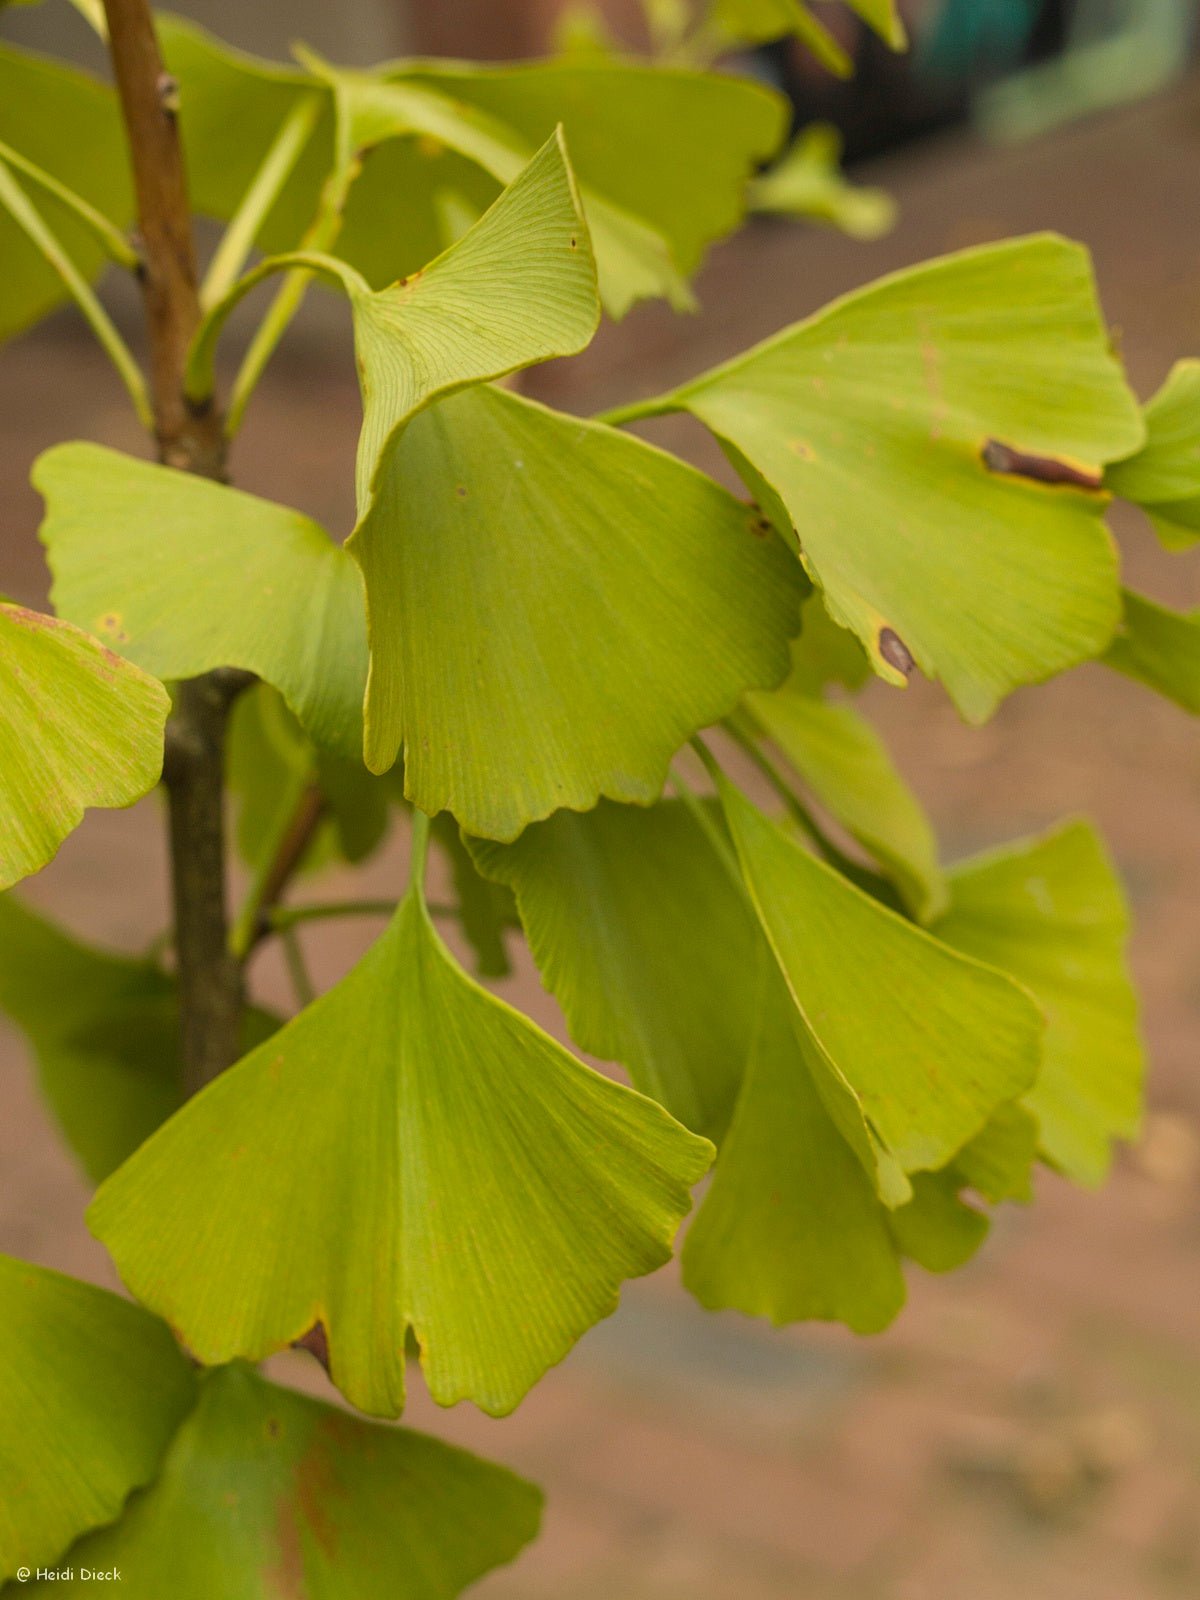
(1031, 1426)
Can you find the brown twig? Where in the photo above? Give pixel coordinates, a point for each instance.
(189, 437)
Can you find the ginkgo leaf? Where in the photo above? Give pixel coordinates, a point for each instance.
(663, 159)
(264, 1492)
(105, 1031)
(825, 653)
(646, 942)
(1160, 648)
(1164, 476)
(519, 288)
(937, 439)
(846, 765)
(791, 1227)
(91, 1390)
(936, 1229)
(748, 22)
(181, 575)
(66, 123)
(409, 1152)
(79, 727)
(807, 181)
(668, 149)
(1051, 912)
(509, 554)
(998, 1163)
(926, 1041)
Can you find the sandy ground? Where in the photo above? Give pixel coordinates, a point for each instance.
(1031, 1426)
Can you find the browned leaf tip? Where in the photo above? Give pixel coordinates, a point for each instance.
(1004, 459)
(316, 1342)
(895, 652)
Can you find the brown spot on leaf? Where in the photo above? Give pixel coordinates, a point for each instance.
(1003, 459)
(461, 491)
(574, 242)
(895, 652)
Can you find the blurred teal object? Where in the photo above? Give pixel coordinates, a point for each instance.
(1117, 52)
(967, 38)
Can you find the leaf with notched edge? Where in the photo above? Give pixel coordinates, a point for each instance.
(79, 727)
(920, 1044)
(875, 422)
(1050, 911)
(265, 1493)
(791, 1227)
(181, 575)
(409, 1152)
(512, 551)
(647, 944)
(91, 1390)
(1160, 648)
(1164, 476)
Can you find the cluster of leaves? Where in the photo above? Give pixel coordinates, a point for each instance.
(533, 616)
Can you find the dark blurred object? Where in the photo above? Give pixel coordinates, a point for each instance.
(1017, 67)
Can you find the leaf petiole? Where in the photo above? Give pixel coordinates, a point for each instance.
(265, 188)
(104, 229)
(29, 219)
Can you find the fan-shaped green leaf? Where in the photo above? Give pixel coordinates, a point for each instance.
(647, 944)
(91, 1390)
(663, 156)
(846, 765)
(266, 1493)
(1051, 912)
(519, 288)
(669, 149)
(936, 1229)
(67, 124)
(1164, 476)
(791, 1228)
(181, 575)
(747, 22)
(508, 551)
(937, 439)
(409, 1152)
(998, 1163)
(807, 181)
(105, 1030)
(79, 727)
(928, 1043)
(1160, 648)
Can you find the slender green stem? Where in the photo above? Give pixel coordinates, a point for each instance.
(781, 786)
(199, 374)
(420, 850)
(872, 882)
(298, 823)
(25, 214)
(322, 911)
(293, 954)
(265, 188)
(321, 234)
(636, 410)
(705, 820)
(105, 230)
